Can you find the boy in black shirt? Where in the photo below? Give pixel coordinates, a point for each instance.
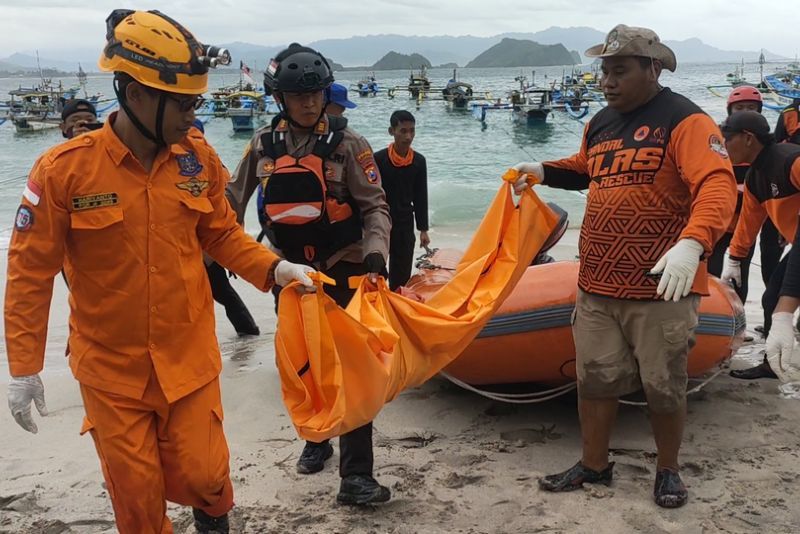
(405, 180)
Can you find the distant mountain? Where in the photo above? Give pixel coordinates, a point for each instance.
(522, 53)
(577, 38)
(395, 61)
(447, 66)
(367, 49)
(695, 50)
(28, 63)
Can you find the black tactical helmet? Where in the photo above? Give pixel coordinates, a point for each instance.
(298, 69)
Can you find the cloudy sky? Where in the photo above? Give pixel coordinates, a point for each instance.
(732, 25)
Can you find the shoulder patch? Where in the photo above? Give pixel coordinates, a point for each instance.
(24, 219)
(372, 174)
(716, 145)
(366, 154)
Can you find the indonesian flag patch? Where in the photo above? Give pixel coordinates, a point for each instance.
(33, 192)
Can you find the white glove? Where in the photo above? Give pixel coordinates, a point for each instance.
(678, 266)
(21, 391)
(530, 173)
(788, 368)
(287, 272)
(780, 343)
(732, 271)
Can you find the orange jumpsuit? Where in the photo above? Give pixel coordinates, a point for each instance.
(142, 331)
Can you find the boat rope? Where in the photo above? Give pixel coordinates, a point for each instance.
(722, 368)
(514, 398)
(550, 394)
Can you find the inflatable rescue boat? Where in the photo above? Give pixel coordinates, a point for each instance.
(529, 338)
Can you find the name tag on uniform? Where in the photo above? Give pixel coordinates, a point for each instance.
(94, 201)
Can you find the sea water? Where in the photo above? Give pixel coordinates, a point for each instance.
(465, 158)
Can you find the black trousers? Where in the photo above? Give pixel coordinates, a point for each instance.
(717, 259)
(771, 250)
(401, 254)
(355, 455)
(222, 291)
(773, 292)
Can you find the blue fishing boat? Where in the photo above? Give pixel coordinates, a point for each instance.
(366, 87)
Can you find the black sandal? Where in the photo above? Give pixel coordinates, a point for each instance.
(574, 477)
(669, 490)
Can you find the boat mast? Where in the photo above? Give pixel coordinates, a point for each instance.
(39, 66)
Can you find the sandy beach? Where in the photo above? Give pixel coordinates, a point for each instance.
(455, 462)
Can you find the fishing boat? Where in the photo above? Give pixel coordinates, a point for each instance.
(572, 99)
(418, 88)
(39, 107)
(531, 104)
(418, 84)
(366, 86)
(783, 85)
(736, 78)
(459, 95)
(247, 110)
(529, 339)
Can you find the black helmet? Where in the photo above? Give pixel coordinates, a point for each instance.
(298, 69)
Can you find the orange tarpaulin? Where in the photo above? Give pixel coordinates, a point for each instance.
(338, 367)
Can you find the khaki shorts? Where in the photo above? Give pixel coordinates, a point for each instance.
(626, 345)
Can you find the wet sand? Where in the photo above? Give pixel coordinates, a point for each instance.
(455, 462)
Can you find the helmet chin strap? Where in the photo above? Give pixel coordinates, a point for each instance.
(158, 137)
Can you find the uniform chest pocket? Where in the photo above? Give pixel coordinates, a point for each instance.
(197, 205)
(183, 222)
(96, 237)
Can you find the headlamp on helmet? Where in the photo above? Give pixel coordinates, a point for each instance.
(158, 52)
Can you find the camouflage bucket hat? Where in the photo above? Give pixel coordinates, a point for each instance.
(625, 40)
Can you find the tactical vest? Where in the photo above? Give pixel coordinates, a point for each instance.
(304, 219)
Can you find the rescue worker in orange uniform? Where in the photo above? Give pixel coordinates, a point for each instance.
(128, 211)
(661, 193)
(741, 98)
(772, 190)
(787, 130)
(324, 207)
(747, 98)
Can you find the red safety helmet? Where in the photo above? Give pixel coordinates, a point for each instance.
(745, 93)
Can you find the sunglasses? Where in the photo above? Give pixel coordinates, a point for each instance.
(187, 104)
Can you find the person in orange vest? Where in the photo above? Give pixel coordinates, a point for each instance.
(324, 206)
(128, 210)
(661, 193)
(787, 130)
(746, 98)
(772, 190)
